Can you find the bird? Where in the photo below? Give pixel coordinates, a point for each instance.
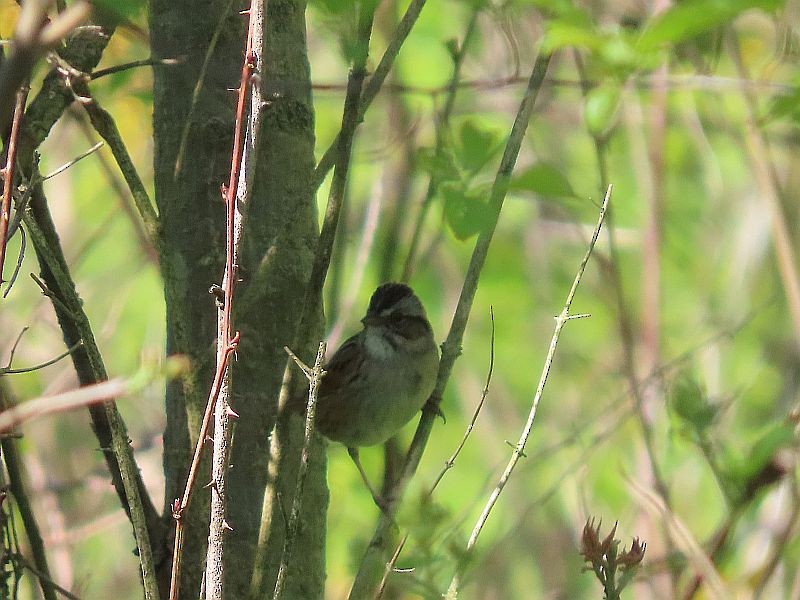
(378, 379)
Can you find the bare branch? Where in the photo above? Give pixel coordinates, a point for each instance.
(519, 448)
(450, 462)
(8, 174)
(7, 370)
(67, 165)
(372, 88)
(294, 516)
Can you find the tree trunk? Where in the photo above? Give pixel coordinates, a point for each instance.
(277, 247)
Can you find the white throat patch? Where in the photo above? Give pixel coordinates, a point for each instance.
(377, 346)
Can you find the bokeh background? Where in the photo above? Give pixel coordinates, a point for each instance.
(672, 410)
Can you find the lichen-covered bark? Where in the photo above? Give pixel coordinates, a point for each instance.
(280, 234)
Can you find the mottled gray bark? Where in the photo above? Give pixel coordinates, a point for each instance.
(279, 238)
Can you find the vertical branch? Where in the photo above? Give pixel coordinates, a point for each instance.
(239, 192)
(766, 179)
(332, 154)
(519, 448)
(8, 174)
(351, 116)
(441, 132)
(312, 296)
(109, 427)
(314, 378)
(236, 194)
(368, 578)
(16, 486)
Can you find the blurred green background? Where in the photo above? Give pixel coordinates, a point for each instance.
(684, 379)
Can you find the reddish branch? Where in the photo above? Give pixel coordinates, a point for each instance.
(227, 341)
(8, 174)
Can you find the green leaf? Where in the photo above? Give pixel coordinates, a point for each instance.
(562, 35)
(758, 468)
(476, 145)
(692, 17)
(441, 167)
(690, 403)
(543, 180)
(784, 106)
(602, 106)
(465, 211)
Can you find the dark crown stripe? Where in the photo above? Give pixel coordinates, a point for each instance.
(388, 295)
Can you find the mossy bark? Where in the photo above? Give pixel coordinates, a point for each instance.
(279, 237)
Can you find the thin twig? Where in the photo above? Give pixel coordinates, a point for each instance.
(364, 585)
(65, 401)
(146, 62)
(450, 462)
(294, 516)
(47, 580)
(7, 370)
(519, 448)
(16, 344)
(23, 241)
(16, 485)
(374, 85)
(68, 164)
(120, 188)
(105, 125)
(8, 174)
(684, 539)
(687, 82)
(390, 567)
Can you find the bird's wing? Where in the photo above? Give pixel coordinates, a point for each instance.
(341, 369)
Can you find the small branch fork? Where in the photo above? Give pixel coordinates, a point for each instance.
(227, 342)
(314, 377)
(519, 447)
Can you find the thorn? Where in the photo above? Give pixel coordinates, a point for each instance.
(231, 413)
(208, 439)
(517, 449)
(226, 526)
(210, 484)
(177, 513)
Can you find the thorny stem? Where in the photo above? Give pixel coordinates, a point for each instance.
(8, 174)
(227, 343)
(179, 506)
